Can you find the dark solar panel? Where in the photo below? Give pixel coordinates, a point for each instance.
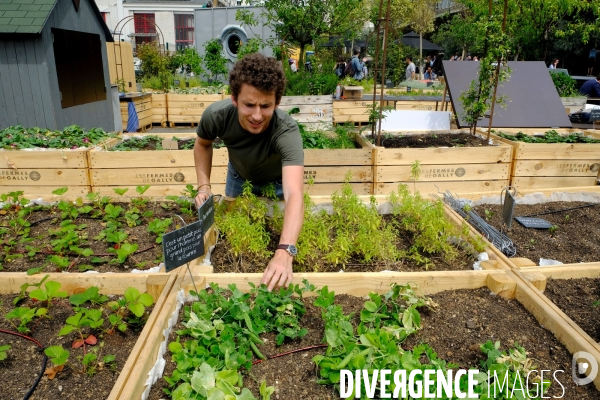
(531, 98)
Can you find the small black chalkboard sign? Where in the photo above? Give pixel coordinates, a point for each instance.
(206, 213)
(176, 82)
(508, 209)
(537, 223)
(183, 245)
(408, 89)
(595, 114)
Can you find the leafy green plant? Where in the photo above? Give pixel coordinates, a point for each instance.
(214, 62)
(86, 318)
(340, 138)
(57, 354)
(488, 214)
(565, 85)
(132, 302)
(18, 137)
(25, 315)
(91, 295)
(50, 292)
(550, 136)
(159, 227)
(4, 351)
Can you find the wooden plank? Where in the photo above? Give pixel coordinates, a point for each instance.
(521, 262)
(174, 99)
(421, 105)
(338, 119)
(45, 192)
(44, 177)
(569, 271)
(314, 157)
(444, 172)
(131, 381)
(550, 168)
(361, 284)
(305, 100)
(77, 282)
(444, 155)
(553, 151)
(454, 186)
(61, 158)
(529, 182)
(546, 192)
(185, 175)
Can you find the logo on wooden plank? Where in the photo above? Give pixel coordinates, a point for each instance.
(179, 177)
(34, 176)
(444, 172)
(579, 167)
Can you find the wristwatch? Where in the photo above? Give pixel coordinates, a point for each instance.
(290, 248)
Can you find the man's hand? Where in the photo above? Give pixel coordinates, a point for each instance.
(202, 196)
(279, 272)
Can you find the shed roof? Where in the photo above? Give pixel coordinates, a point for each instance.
(30, 16)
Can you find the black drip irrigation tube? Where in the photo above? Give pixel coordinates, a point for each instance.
(564, 209)
(32, 389)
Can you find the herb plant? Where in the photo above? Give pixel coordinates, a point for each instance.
(4, 351)
(550, 136)
(18, 137)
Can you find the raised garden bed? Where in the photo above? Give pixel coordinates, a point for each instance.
(169, 171)
(39, 160)
(351, 110)
(435, 162)
(102, 378)
(346, 234)
(544, 162)
(573, 238)
(464, 320)
(101, 235)
(143, 107)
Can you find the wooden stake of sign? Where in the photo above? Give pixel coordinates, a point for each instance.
(170, 144)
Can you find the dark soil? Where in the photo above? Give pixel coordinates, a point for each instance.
(576, 297)
(20, 370)
(155, 143)
(432, 140)
(223, 261)
(149, 253)
(465, 320)
(574, 241)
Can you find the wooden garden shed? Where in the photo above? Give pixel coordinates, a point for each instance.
(53, 64)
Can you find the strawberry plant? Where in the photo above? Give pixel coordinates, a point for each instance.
(25, 315)
(132, 302)
(91, 295)
(159, 227)
(18, 137)
(4, 351)
(49, 293)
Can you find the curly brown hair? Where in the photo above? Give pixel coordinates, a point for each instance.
(264, 73)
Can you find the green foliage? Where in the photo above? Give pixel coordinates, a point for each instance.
(431, 229)
(317, 139)
(214, 62)
(17, 137)
(90, 318)
(4, 351)
(189, 60)
(223, 327)
(159, 227)
(91, 295)
(57, 355)
(565, 85)
(375, 114)
(25, 315)
(155, 63)
(317, 83)
(550, 136)
(50, 292)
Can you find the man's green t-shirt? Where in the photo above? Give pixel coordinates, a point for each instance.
(256, 157)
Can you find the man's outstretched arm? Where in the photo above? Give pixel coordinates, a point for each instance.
(279, 271)
(203, 153)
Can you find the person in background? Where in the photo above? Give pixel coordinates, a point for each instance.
(436, 66)
(554, 64)
(591, 88)
(264, 146)
(410, 69)
(357, 66)
(340, 68)
(475, 58)
(293, 66)
(591, 62)
(429, 73)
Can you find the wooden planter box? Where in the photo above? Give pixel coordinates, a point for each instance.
(159, 286)
(143, 107)
(188, 108)
(458, 169)
(169, 171)
(39, 172)
(354, 110)
(424, 105)
(159, 109)
(553, 165)
(316, 112)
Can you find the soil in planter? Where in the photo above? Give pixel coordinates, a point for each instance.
(20, 370)
(432, 140)
(465, 320)
(151, 143)
(148, 254)
(575, 239)
(576, 298)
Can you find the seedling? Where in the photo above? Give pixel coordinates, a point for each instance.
(49, 293)
(91, 295)
(57, 355)
(90, 318)
(159, 227)
(567, 218)
(488, 214)
(120, 192)
(553, 230)
(4, 351)
(132, 301)
(25, 315)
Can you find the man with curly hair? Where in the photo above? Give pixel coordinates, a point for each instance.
(264, 146)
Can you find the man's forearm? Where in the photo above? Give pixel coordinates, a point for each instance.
(203, 163)
(293, 218)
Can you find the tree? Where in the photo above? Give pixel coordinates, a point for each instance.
(155, 63)
(189, 61)
(421, 17)
(214, 61)
(303, 22)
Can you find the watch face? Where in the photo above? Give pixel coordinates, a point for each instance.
(292, 250)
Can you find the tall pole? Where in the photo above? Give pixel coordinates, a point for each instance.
(385, 40)
(382, 69)
(497, 73)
